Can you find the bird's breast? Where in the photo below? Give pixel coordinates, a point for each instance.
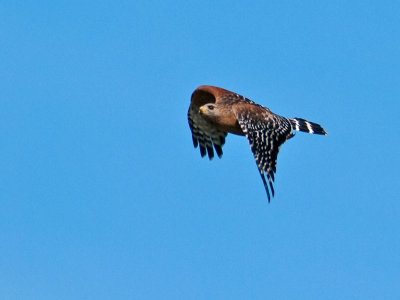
(229, 123)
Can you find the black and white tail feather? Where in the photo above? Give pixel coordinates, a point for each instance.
(307, 126)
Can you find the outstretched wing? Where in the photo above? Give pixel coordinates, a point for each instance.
(266, 132)
(204, 133)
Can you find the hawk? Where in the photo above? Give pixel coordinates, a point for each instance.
(214, 112)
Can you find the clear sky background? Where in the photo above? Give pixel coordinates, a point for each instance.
(104, 197)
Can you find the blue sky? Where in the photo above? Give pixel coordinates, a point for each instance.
(104, 197)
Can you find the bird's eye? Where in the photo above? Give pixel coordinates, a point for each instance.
(210, 107)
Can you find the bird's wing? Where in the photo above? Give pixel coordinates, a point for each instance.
(204, 133)
(266, 132)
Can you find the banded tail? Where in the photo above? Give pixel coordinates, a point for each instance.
(307, 126)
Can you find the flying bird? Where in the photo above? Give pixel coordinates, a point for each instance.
(214, 112)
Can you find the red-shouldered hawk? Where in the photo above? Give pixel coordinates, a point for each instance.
(214, 112)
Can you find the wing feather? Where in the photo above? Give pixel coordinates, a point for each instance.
(266, 132)
(204, 133)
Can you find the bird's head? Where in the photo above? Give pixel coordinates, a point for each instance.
(210, 110)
